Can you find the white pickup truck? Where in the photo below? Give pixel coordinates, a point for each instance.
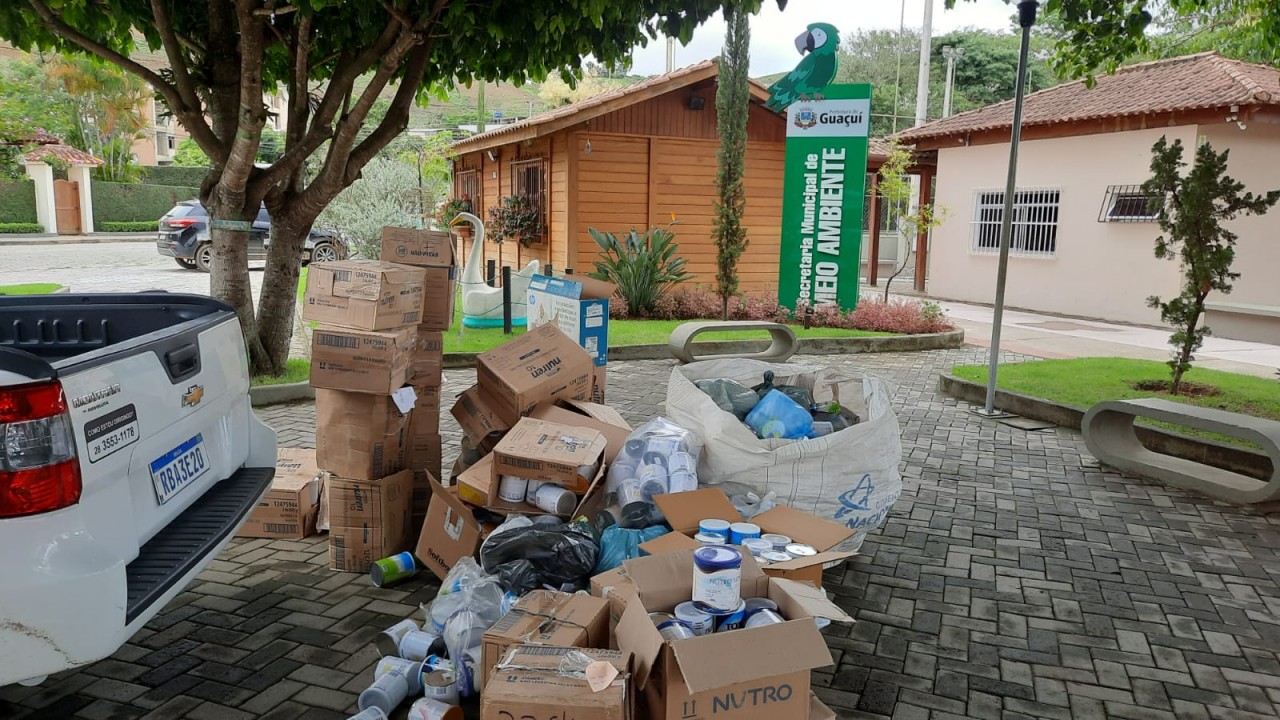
(129, 456)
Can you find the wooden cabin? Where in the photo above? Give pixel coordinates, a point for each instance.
(638, 156)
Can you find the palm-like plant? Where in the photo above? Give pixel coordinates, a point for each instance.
(108, 113)
(644, 267)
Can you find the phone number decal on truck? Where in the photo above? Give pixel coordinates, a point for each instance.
(114, 431)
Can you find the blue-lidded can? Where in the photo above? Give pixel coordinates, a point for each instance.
(741, 531)
(710, 538)
(717, 578)
(673, 630)
(725, 621)
(759, 603)
(715, 526)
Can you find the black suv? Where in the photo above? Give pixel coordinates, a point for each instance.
(184, 236)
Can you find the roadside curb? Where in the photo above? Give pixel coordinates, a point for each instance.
(95, 239)
(1202, 450)
(282, 393)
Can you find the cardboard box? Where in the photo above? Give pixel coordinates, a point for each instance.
(749, 674)
(424, 418)
(426, 366)
(450, 532)
(543, 617)
(369, 520)
(433, 251)
(579, 306)
(528, 685)
(424, 462)
(288, 510)
(819, 711)
(599, 377)
(671, 542)
(361, 360)
(543, 364)
(541, 450)
(606, 420)
(477, 486)
(358, 435)
(615, 586)
(364, 294)
(477, 415)
(684, 510)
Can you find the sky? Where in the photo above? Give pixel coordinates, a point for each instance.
(773, 31)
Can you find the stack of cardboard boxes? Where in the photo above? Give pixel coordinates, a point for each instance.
(361, 359)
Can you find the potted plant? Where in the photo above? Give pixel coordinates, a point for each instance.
(517, 218)
(450, 210)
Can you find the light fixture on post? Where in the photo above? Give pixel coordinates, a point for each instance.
(1026, 19)
(952, 54)
(492, 155)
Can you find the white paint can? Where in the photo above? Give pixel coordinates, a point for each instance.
(388, 641)
(700, 622)
(531, 493)
(440, 685)
(512, 489)
(372, 713)
(416, 645)
(386, 693)
(410, 668)
(555, 499)
(429, 709)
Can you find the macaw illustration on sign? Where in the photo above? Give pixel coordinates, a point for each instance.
(815, 71)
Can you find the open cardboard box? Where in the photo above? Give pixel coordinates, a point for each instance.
(528, 685)
(578, 305)
(477, 416)
(606, 420)
(450, 531)
(684, 510)
(551, 452)
(288, 510)
(760, 673)
(544, 617)
(478, 486)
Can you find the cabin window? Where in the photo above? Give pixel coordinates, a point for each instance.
(466, 184)
(1126, 203)
(1035, 221)
(529, 181)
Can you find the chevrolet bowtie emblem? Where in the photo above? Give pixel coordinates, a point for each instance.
(193, 396)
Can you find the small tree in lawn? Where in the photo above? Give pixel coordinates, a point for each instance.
(894, 188)
(1191, 210)
(733, 97)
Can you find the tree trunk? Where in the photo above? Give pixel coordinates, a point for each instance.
(724, 308)
(278, 301)
(229, 276)
(1188, 347)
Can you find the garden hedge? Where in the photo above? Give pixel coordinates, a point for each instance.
(174, 175)
(128, 226)
(18, 202)
(20, 227)
(121, 202)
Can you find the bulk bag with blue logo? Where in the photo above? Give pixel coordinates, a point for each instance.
(850, 476)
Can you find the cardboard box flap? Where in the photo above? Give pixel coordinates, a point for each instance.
(578, 287)
(637, 635)
(802, 527)
(794, 598)
(603, 413)
(602, 418)
(664, 581)
(684, 510)
(821, 558)
(819, 711)
(671, 542)
(760, 652)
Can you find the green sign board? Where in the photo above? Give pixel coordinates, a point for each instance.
(823, 191)
(237, 225)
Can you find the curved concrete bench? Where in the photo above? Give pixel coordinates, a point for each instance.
(1109, 434)
(783, 343)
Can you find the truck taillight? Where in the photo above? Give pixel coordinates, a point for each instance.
(39, 469)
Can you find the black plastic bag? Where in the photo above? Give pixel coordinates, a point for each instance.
(562, 556)
(517, 577)
(729, 396)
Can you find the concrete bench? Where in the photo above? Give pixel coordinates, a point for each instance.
(783, 343)
(1109, 434)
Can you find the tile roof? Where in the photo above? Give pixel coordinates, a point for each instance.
(65, 153)
(1191, 82)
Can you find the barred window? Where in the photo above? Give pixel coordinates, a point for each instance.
(466, 184)
(1035, 221)
(1127, 203)
(529, 181)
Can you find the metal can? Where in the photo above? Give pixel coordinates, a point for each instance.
(799, 550)
(431, 709)
(741, 531)
(388, 641)
(660, 617)
(779, 542)
(763, 617)
(714, 525)
(416, 645)
(731, 620)
(386, 693)
(411, 670)
(673, 630)
(440, 685)
(513, 489)
(775, 557)
(717, 578)
(531, 492)
(682, 472)
(699, 621)
(556, 500)
(706, 538)
(757, 546)
(391, 570)
(370, 713)
(759, 603)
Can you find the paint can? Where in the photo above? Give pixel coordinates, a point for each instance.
(630, 491)
(682, 472)
(763, 617)
(390, 570)
(673, 630)
(660, 617)
(653, 481)
(741, 531)
(699, 621)
(431, 709)
(416, 645)
(717, 578)
(410, 668)
(372, 713)
(706, 538)
(775, 557)
(662, 445)
(386, 693)
(757, 546)
(512, 489)
(440, 685)
(759, 603)
(388, 641)
(714, 526)
(779, 542)
(556, 500)
(531, 492)
(799, 550)
(731, 620)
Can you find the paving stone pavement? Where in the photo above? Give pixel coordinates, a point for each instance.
(1015, 579)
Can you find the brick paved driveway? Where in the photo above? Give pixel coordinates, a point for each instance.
(1015, 579)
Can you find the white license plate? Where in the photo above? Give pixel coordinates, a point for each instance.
(179, 468)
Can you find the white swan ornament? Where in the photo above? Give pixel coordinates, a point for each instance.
(481, 304)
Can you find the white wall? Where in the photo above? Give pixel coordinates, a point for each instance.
(1102, 270)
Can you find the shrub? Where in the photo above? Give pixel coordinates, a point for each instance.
(18, 201)
(175, 175)
(900, 316)
(21, 227)
(124, 202)
(515, 217)
(127, 226)
(644, 267)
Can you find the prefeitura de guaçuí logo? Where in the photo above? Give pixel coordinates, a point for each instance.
(805, 118)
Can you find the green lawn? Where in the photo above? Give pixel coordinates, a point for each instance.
(1084, 382)
(29, 289)
(297, 370)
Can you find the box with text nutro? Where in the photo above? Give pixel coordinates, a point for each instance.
(368, 520)
(431, 250)
(288, 510)
(364, 294)
(358, 435)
